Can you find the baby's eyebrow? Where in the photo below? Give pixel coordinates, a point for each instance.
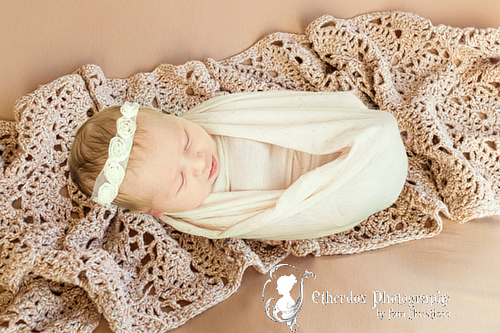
(181, 134)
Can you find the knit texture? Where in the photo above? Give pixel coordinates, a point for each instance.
(65, 260)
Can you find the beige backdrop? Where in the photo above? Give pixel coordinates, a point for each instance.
(42, 40)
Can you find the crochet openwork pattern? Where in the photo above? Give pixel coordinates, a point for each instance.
(65, 260)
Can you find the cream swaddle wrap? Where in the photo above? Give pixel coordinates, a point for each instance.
(366, 173)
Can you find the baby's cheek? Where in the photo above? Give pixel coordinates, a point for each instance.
(193, 200)
(203, 196)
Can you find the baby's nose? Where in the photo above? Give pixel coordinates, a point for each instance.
(198, 163)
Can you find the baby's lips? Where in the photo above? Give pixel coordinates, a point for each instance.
(214, 168)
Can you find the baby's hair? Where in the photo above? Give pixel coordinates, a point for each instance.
(90, 152)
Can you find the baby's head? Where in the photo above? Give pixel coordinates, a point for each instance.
(171, 166)
(285, 284)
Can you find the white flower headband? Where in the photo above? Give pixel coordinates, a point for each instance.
(111, 177)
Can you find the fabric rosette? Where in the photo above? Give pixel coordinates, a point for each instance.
(129, 110)
(106, 194)
(125, 127)
(118, 149)
(114, 172)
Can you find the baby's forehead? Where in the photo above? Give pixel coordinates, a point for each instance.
(156, 131)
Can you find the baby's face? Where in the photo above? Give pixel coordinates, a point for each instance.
(176, 165)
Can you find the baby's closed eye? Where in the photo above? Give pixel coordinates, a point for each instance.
(182, 182)
(187, 140)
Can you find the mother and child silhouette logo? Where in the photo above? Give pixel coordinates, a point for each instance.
(287, 305)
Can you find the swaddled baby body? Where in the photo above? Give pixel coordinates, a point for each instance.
(272, 165)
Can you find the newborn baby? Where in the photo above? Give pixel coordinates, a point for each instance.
(270, 165)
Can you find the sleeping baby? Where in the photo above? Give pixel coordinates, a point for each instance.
(277, 165)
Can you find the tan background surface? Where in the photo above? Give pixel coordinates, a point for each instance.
(42, 40)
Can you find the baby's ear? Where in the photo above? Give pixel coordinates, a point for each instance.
(152, 212)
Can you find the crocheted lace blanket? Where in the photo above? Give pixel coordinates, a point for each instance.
(65, 261)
